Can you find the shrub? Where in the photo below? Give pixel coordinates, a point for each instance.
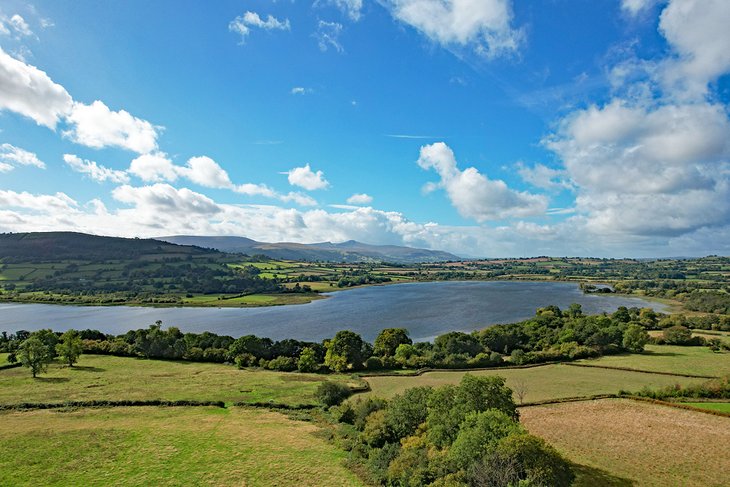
(373, 363)
(283, 364)
(308, 360)
(332, 393)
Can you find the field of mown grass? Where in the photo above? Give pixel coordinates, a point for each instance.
(114, 378)
(636, 443)
(723, 407)
(540, 383)
(673, 359)
(166, 446)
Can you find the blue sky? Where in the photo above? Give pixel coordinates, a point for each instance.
(482, 127)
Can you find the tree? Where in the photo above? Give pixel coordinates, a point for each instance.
(307, 361)
(520, 388)
(48, 338)
(332, 393)
(537, 462)
(478, 436)
(34, 354)
(635, 337)
(70, 347)
(389, 339)
(345, 351)
(677, 335)
(457, 342)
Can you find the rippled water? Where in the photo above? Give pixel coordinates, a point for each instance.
(425, 309)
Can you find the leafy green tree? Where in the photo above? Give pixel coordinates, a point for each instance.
(635, 337)
(677, 335)
(537, 462)
(34, 354)
(258, 347)
(478, 436)
(70, 347)
(408, 410)
(48, 338)
(307, 361)
(345, 351)
(388, 340)
(456, 342)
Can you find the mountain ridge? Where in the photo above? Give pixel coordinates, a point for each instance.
(348, 251)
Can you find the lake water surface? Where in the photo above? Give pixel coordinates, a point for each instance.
(426, 309)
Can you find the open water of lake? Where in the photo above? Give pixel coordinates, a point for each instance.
(426, 309)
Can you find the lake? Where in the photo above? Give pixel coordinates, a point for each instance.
(426, 309)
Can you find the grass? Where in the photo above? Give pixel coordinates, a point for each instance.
(114, 378)
(540, 383)
(166, 446)
(713, 406)
(250, 300)
(637, 442)
(668, 358)
(4, 358)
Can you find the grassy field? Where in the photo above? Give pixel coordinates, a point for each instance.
(636, 443)
(3, 358)
(113, 378)
(668, 358)
(540, 383)
(713, 406)
(213, 300)
(166, 446)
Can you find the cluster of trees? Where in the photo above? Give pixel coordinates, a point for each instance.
(448, 436)
(36, 350)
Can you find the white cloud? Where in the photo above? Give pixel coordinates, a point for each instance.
(305, 178)
(360, 199)
(300, 90)
(15, 25)
(473, 194)
(655, 160)
(352, 8)
(483, 25)
(26, 90)
(96, 172)
(165, 199)
(154, 167)
(328, 36)
(206, 172)
(698, 32)
(11, 156)
(634, 7)
(97, 126)
(541, 176)
(58, 202)
(242, 25)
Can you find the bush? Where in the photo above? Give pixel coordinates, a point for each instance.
(245, 360)
(373, 363)
(332, 393)
(282, 364)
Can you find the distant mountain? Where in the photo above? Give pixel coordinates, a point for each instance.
(56, 246)
(350, 251)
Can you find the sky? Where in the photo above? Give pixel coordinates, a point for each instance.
(487, 128)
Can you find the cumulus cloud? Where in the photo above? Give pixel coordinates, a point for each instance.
(654, 161)
(698, 32)
(305, 178)
(27, 90)
(483, 25)
(96, 172)
(360, 199)
(97, 126)
(328, 36)
(154, 167)
(473, 194)
(11, 156)
(242, 25)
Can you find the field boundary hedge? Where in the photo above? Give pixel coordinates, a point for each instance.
(629, 369)
(110, 404)
(10, 366)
